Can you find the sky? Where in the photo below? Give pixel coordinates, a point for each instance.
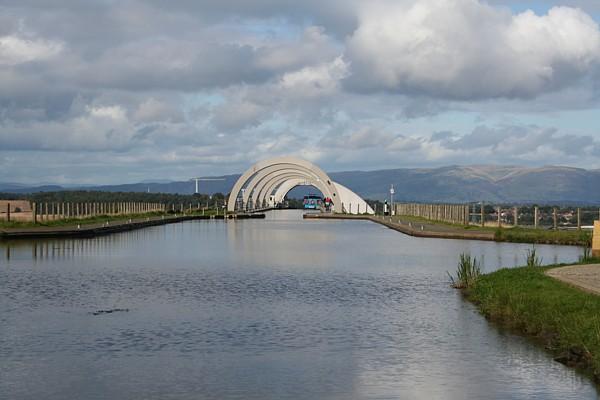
(99, 92)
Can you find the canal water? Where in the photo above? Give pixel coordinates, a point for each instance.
(275, 309)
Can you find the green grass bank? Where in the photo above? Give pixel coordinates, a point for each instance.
(519, 234)
(542, 236)
(564, 319)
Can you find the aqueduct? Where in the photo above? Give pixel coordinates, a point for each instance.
(267, 182)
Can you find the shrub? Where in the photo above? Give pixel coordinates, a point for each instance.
(587, 248)
(467, 272)
(532, 258)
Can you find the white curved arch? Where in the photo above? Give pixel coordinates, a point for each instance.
(271, 184)
(274, 183)
(282, 174)
(351, 202)
(283, 162)
(261, 176)
(286, 186)
(264, 178)
(269, 191)
(277, 180)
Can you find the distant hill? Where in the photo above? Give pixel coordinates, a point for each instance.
(506, 184)
(19, 188)
(479, 183)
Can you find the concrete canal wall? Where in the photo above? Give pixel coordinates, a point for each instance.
(409, 228)
(89, 230)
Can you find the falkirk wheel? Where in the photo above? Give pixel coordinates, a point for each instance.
(267, 182)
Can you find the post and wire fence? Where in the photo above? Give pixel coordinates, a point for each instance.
(41, 212)
(504, 215)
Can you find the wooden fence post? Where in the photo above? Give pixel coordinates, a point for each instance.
(596, 240)
(482, 215)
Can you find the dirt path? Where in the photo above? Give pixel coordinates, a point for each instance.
(586, 277)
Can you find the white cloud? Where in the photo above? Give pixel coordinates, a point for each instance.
(361, 138)
(163, 86)
(98, 128)
(467, 49)
(405, 144)
(518, 144)
(237, 114)
(312, 47)
(154, 110)
(15, 50)
(315, 81)
(114, 113)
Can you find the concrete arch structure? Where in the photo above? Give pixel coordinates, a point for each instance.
(255, 182)
(286, 186)
(267, 182)
(267, 190)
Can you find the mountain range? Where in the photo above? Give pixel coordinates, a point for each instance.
(489, 183)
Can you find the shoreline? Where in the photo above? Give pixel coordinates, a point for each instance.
(114, 226)
(435, 230)
(535, 303)
(407, 228)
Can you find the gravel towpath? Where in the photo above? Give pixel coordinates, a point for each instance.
(586, 277)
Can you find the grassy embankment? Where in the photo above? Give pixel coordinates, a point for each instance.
(564, 319)
(98, 219)
(528, 235)
(518, 234)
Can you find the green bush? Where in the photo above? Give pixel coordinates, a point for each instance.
(467, 272)
(587, 247)
(532, 258)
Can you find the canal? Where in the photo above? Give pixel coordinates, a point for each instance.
(262, 309)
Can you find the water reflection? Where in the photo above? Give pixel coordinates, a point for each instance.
(57, 249)
(281, 308)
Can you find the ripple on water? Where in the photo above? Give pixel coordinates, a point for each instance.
(218, 311)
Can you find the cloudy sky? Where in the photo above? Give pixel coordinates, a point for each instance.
(122, 91)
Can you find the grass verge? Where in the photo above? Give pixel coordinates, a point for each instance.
(566, 320)
(410, 218)
(527, 235)
(515, 234)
